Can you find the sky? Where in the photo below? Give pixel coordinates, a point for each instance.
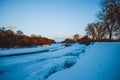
(55, 19)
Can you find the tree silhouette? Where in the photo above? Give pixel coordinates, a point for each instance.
(110, 15)
(90, 31)
(97, 31)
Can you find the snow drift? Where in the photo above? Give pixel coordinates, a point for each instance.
(100, 62)
(38, 66)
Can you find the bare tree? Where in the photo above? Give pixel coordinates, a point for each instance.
(97, 31)
(117, 32)
(110, 15)
(90, 31)
(76, 37)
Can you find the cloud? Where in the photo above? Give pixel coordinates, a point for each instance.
(11, 27)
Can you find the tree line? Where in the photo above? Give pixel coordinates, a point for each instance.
(108, 25)
(76, 38)
(11, 39)
(106, 28)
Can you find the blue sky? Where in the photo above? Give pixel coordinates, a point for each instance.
(56, 19)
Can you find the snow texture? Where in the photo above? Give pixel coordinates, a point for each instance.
(100, 62)
(38, 49)
(16, 64)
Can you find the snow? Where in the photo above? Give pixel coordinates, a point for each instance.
(98, 61)
(101, 61)
(29, 50)
(37, 66)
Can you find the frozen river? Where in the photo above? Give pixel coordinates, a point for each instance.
(38, 63)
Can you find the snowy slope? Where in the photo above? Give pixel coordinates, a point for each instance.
(38, 66)
(100, 62)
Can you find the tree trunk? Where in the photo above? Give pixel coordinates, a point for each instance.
(111, 31)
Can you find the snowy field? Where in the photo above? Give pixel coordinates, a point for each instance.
(99, 61)
(37, 63)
